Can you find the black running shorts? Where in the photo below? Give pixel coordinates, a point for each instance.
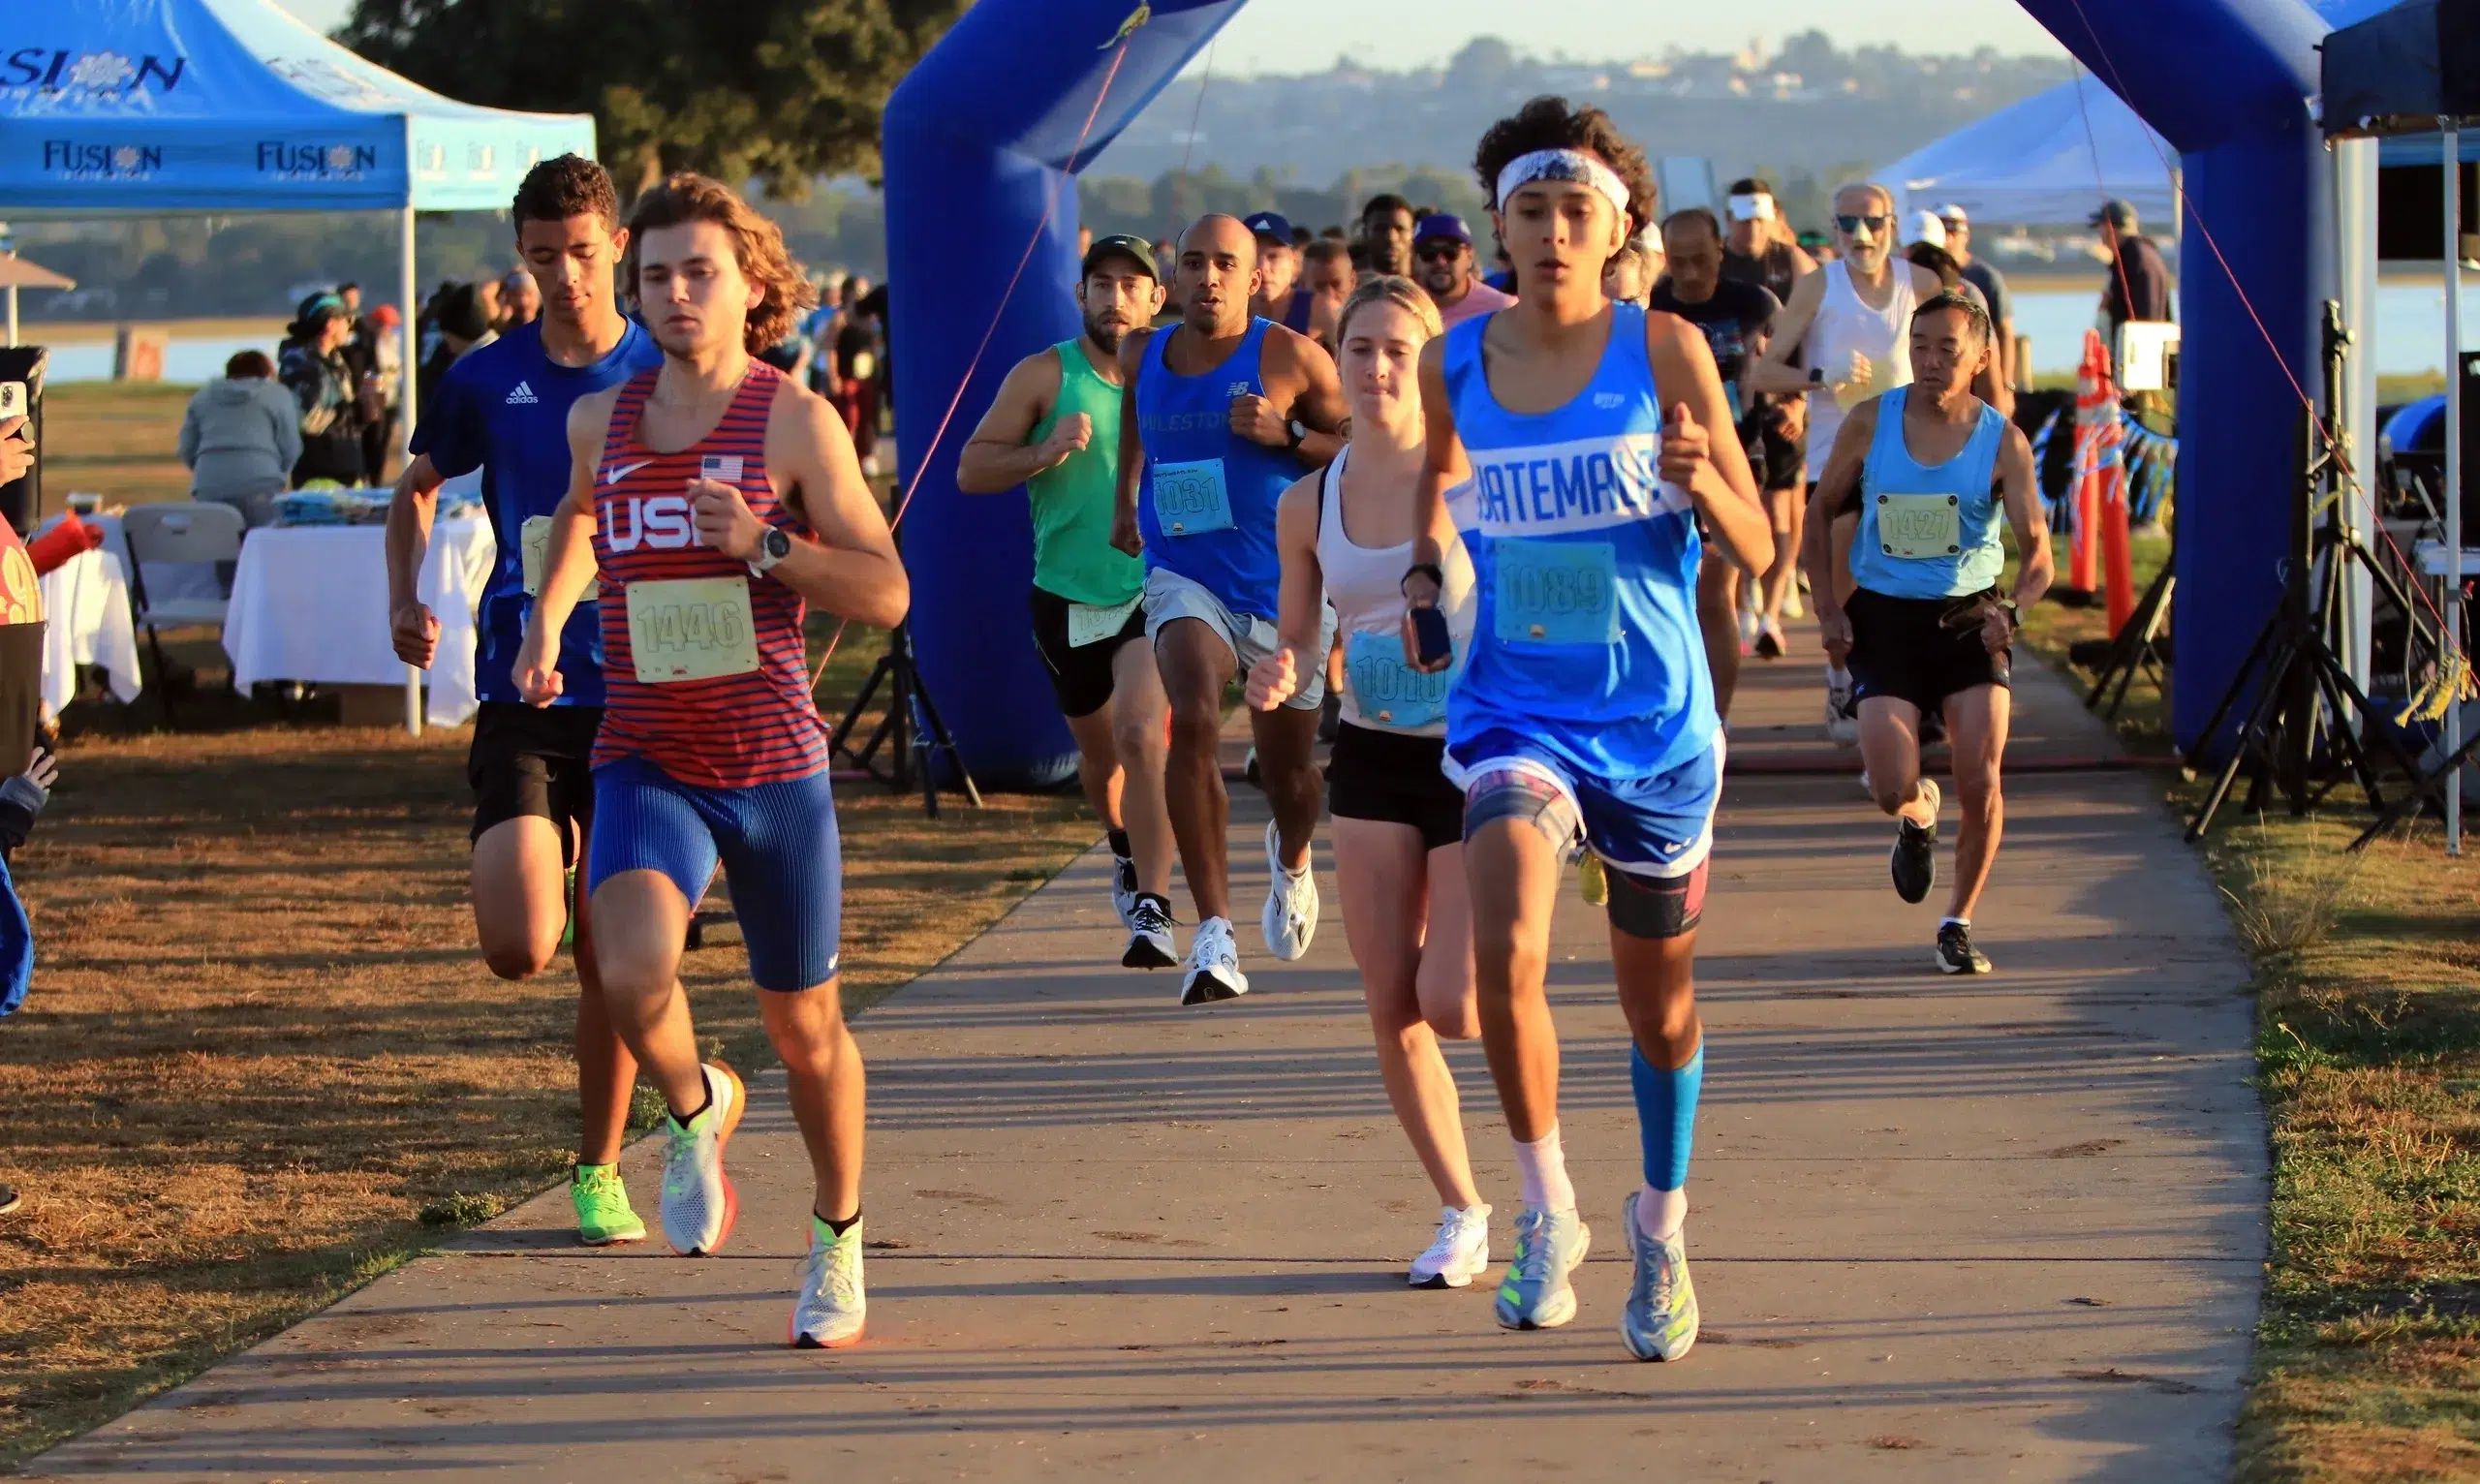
(1394, 779)
(1080, 675)
(534, 761)
(1905, 648)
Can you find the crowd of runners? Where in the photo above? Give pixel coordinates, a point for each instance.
(1524, 525)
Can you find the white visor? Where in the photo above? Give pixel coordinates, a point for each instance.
(1752, 208)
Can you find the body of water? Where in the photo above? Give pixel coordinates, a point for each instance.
(2409, 337)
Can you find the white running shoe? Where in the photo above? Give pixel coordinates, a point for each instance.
(1460, 1252)
(1124, 891)
(699, 1202)
(1792, 606)
(1214, 965)
(830, 1311)
(1149, 935)
(1841, 712)
(1748, 629)
(1290, 918)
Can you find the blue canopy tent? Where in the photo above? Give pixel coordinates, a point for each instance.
(156, 106)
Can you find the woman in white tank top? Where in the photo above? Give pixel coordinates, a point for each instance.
(1346, 536)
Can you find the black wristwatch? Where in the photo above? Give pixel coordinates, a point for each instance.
(772, 548)
(1299, 434)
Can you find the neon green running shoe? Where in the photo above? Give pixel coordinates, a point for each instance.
(603, 1216)
(569, 933)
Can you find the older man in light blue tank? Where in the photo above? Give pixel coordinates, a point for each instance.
(1222, 413)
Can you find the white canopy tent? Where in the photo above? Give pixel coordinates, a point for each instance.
(2048, 161)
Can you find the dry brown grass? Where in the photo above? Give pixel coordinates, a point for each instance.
(261, 1044)
(120, 442)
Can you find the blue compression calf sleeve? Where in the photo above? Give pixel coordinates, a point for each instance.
(1667, 1116)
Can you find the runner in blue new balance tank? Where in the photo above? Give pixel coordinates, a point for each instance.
(1598, 437)
(1220, 412)
(1935, 476)
(504, 410)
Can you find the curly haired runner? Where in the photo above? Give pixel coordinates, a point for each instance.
(717, 499)
(1585, 716)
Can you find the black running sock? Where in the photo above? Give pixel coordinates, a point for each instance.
(836, 1229)
(692, 1115)
(1119, 841)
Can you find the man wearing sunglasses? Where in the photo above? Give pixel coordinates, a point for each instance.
(1849, 323)
(1442, 263)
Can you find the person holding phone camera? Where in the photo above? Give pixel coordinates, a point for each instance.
(1346, 535)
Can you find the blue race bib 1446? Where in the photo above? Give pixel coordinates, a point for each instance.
(1190, 498)
(1555, 592)
(1388, 692)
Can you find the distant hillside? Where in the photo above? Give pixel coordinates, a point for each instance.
(1807, 108)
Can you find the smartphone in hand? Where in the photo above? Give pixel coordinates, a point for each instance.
(1430, 635)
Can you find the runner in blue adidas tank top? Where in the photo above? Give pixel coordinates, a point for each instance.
(501, 409)
(1585, 717)
(1220, 413)
(1930, 467)
(716, 500)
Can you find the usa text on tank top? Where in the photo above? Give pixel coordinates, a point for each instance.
(735, 729)
(1206, 502)
(1586, 566)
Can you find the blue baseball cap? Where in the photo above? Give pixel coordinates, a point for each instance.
(1441, 224)
(1269, 224)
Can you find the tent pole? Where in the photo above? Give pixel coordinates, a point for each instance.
(2454, 453)
(2355, 422)
(406, 410)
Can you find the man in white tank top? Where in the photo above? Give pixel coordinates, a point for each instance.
(1849, 323)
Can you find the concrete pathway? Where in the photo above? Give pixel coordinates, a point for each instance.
(2008, 1227)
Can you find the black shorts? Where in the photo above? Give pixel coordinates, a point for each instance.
(1903, 648)
(1783, 463)
(1394, 779)
(1079, 676)
(534, 761)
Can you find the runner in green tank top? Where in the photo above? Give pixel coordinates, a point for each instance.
(1054, 430)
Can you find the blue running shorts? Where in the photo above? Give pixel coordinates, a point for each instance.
(777, 843)
(1659, 827)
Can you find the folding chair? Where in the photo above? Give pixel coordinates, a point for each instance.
(201, 531)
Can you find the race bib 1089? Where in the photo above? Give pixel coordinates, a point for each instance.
(1555, 592)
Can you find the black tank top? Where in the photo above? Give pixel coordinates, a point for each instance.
(1772, 270)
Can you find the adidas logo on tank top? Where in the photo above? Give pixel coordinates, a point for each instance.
(521, 395)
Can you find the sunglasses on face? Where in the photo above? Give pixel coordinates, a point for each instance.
(1438, 252)
(1852, 225)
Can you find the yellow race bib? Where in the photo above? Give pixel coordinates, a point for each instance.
(1920, 527)
(691, 628)
(533, 554)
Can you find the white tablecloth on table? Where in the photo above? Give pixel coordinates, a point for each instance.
(86, 602)
(310, 603)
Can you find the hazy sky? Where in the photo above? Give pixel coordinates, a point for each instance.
(1307, 35)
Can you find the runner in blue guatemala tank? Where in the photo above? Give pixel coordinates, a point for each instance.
(1928, 470)
(1585, 717)
(503, 409)
(1221, 414)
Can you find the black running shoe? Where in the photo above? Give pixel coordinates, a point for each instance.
(1768, 642)
(1149, 935)
(1955, 951)
(1914, 859)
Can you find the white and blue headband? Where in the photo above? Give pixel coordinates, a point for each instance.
(1571, 165)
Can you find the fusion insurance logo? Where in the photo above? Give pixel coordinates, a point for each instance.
(310, 160)
(66, 77)
(97, 160)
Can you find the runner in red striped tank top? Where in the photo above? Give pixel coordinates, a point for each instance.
(716, 500)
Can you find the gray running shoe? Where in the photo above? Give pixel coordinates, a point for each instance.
(1660, 1321)
(1535, 1293)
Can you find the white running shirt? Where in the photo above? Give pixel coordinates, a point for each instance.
(1844, 322)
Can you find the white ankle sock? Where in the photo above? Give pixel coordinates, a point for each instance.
(1660, 1214)
(1542, 1168)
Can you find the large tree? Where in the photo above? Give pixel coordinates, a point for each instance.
(780, 91)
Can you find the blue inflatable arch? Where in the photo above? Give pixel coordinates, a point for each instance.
(978, 143)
